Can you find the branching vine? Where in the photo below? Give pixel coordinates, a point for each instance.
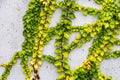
(37, 34)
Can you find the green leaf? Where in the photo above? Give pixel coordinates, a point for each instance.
(106, 25)
(58, 57)
(61, 76)
(65, 54)
(99, 58)
(65, 61)
(110, 46)
(65, 46)
(71, 15)
(66, 66)
(58, 63)
(80, 44)
(98, 29)
(78, 36)
(88, 29)
(66, 35)
(119, 16)
(112, 40)
(42, 14)
(59, 69)
(106, 37)
(42, 21)
(93, 34)
(52, 7)
(85, 13)
(57, 43)
(84, 34)
(58, 50)
(68, 3)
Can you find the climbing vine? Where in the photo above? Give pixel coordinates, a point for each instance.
(37, 34)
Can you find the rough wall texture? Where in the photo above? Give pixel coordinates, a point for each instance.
(11, 12)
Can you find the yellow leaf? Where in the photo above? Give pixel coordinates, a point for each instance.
(4, 64)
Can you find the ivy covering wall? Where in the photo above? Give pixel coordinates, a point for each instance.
(37, 34)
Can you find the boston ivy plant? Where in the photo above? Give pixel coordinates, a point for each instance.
(37, 34)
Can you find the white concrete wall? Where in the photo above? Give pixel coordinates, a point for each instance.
(11, 27)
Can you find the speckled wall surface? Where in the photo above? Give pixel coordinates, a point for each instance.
(11, 12)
